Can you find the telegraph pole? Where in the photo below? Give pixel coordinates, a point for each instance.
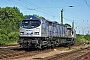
(73, 24)
(62, 16)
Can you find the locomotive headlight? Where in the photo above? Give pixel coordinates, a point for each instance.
(21, 33)
(36, 33)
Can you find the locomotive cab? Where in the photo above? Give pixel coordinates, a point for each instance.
(30, 27)
(30, 32)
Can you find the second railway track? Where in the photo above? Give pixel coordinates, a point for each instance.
(73, 55)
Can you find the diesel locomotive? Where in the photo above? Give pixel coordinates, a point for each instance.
(40, 33)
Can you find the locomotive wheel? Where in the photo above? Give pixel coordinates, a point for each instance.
(49, 44)
(24, 45)
(39, 46)
(67, 44)
(52, 44)
(57, 42)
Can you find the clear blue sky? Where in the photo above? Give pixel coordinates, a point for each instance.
(50, 9)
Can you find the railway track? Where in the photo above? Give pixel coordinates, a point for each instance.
(9, 46)
(15, 53)
(86, 57)
(73, 55)
(19, 53)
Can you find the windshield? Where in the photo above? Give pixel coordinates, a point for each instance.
(30, 24)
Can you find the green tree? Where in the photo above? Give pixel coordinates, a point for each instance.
(68, 25)
(10, 18)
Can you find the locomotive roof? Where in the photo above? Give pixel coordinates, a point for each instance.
(37, 18)
(31, 18)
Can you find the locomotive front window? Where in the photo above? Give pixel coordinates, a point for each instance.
(24, 24)
(30, 24)
(34, 23)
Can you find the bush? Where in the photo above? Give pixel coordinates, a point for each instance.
(82, 38)
(10, 18)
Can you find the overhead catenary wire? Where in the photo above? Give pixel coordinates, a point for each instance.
(73, 15)
(39, 11)
(40, 8)
(87, 4)
(44, 11)
(61, 7)
(47, 12)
